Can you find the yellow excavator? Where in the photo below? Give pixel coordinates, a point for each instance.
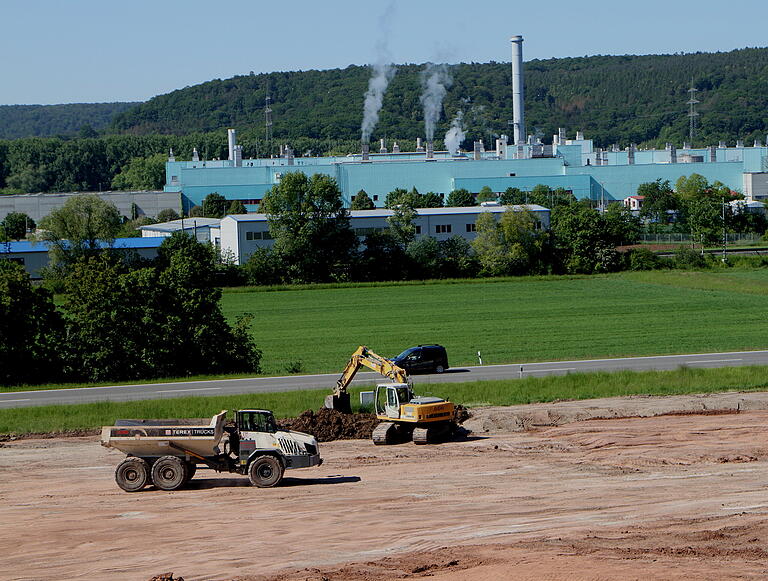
(404, 416)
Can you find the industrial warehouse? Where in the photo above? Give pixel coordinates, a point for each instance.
(522, 162)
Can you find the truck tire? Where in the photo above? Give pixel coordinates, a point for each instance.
(169, 473)
(265, 472)
(132, 474)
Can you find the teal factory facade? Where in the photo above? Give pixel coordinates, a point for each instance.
(575, 165)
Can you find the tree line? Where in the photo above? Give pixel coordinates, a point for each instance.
(614, 99)
(121, 318)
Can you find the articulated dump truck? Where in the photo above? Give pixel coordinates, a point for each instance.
(166, 453)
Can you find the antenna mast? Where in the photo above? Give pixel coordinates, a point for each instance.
(692, 113)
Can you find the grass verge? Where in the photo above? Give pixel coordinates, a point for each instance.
(46, 419)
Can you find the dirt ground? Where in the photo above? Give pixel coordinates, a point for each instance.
(668, 497)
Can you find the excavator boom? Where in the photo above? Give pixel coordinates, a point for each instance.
(362, 357)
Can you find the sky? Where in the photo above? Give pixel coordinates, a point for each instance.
(95, 51)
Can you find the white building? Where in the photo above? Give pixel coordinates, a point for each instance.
(242, 234)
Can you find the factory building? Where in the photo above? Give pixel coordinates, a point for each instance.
(129, 204)
(240, 235)
(522, 162)
(575, 165)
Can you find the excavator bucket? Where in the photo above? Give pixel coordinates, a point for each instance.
(339, 403)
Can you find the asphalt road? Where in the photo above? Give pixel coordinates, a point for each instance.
(327, 381)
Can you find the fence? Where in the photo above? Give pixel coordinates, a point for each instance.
(676, 238)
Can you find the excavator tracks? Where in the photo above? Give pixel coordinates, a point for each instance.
(384, 434)
(421, 436)
(433, 434)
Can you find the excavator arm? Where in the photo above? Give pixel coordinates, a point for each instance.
(362, 357)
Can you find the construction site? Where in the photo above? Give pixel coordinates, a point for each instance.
(622, 488)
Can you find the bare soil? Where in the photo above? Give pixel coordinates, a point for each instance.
(677, 496)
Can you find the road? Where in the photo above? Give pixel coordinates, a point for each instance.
(326, 381)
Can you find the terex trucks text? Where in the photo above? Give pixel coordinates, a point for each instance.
(166, 453)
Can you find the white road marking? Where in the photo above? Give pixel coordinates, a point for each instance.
(195, 389)
(715, 360)
(10, 400)
(547, 370)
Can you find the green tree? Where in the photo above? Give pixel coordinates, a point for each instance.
(142, 173)
(158, 321)
(586, 239)
(486, 194)
(489, 246)
(167, 215)
(31, 331)
(659, 200)
(621, 225)
(214, 205)
(80, 228)
(460, 198)
(399, 196)
(431, 200)
(130, 228)
(362, 201)
(310, 226)
(513, 196)
(30, 179)
(236, 207)
(16, 225)
(691, 187)
(402, 227)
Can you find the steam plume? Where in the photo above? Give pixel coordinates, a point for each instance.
(455, 135)
(381, 74)
(435, 80)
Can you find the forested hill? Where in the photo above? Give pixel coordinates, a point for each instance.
(49, 120)
(614, 99)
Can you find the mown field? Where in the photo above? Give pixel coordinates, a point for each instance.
(47, 419)
(509, 320)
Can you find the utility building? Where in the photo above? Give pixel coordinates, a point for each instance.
(242, 234)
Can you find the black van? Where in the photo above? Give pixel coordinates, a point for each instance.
(423, 359)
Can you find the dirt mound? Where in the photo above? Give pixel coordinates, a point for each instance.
(166, 577)
(327, 425)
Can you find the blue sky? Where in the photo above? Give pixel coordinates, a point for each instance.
(58, 51)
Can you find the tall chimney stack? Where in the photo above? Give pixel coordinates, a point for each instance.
(430, 149)
(231, 143)
(518, 91)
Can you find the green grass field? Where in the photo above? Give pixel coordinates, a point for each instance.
(471, 394)
(510, 320)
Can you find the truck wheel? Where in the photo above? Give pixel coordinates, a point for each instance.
(169, 473)
(132, 474)
(265, 471)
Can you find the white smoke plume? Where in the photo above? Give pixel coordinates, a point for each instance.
(381, 74)
(435, 80)
(455, 135)
(377, 85)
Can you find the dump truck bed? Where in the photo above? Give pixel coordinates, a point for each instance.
(147, 438)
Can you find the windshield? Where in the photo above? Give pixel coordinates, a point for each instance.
(257, 422)
(407, 352)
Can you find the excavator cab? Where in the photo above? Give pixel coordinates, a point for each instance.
(389, 398)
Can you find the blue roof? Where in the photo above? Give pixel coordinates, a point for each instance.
(28, 246)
